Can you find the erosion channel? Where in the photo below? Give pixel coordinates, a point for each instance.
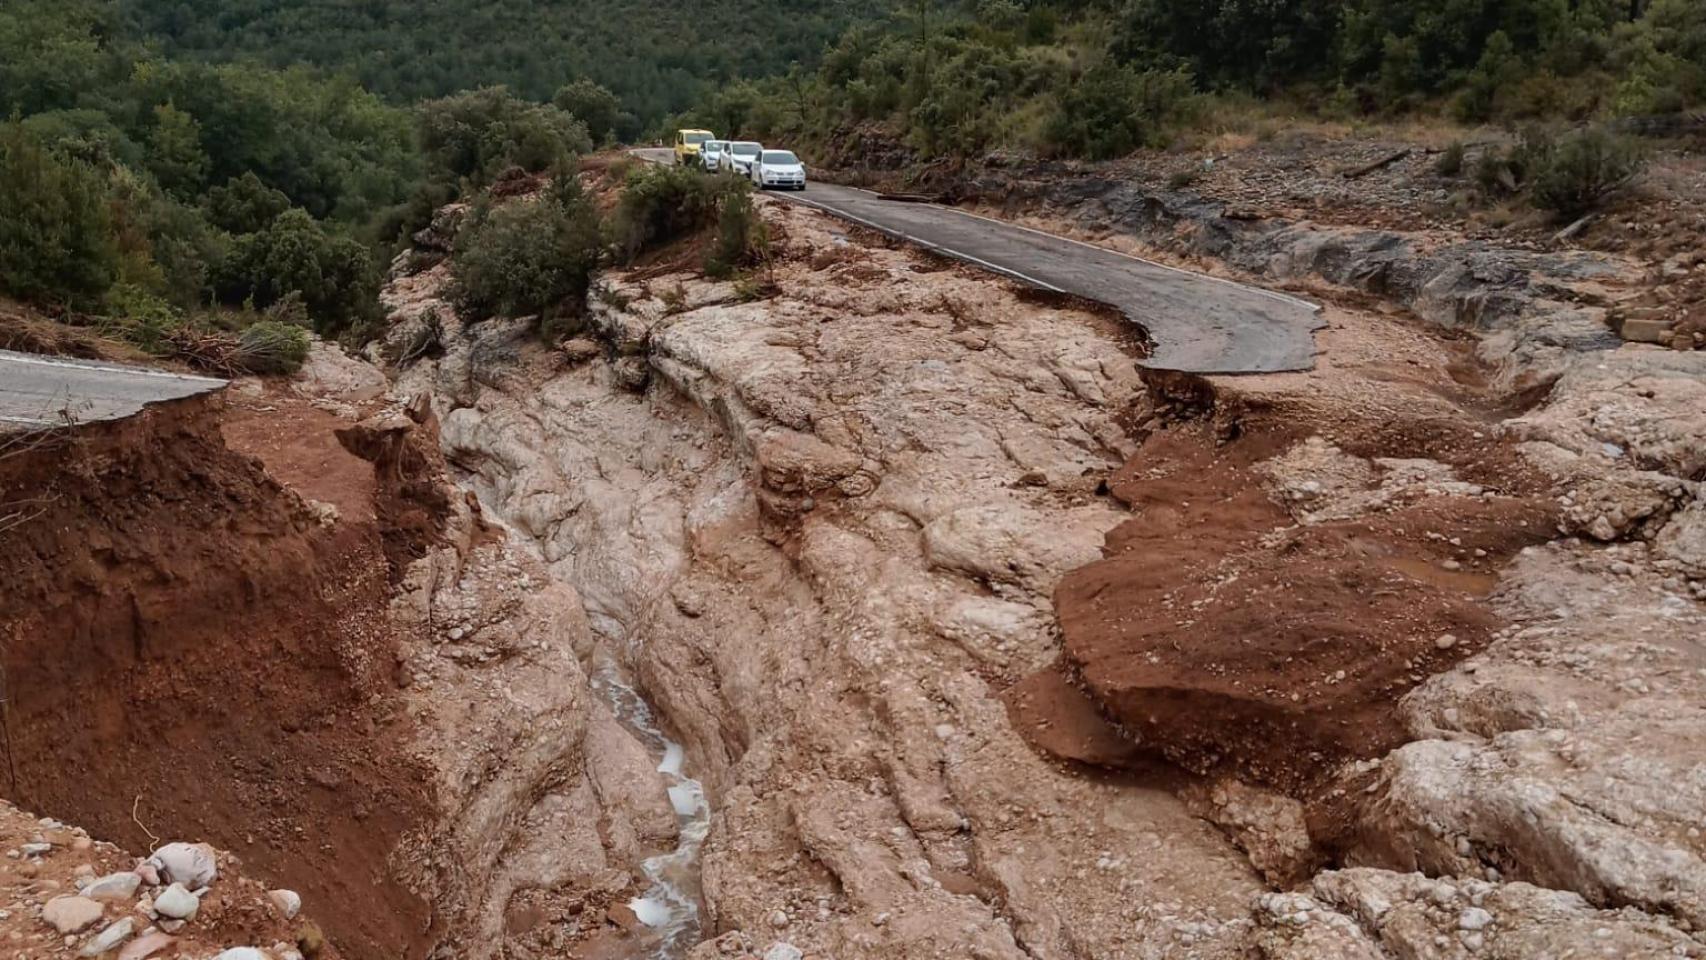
(891, 612)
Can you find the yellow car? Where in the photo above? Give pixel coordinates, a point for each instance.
(687, 144)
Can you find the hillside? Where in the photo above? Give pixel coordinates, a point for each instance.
(653, 55)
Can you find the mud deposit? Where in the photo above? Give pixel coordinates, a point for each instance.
(1222, 635)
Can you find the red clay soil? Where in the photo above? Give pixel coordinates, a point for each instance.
(183, 638)
(1219, 635)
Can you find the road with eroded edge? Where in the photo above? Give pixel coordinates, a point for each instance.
(1197, 323)
(40, 392)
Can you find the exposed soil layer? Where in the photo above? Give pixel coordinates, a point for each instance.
(1224, 636)
(188, 642)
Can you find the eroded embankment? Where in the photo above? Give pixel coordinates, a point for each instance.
(821, 530)
(827, 532)
(1224, 635)
(1533, 311)
(189, 649)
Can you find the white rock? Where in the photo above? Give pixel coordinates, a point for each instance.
(1474, 918)
(71, 914)
(288, 902)
(113, 888)
(177, 903)
(1445, 641)
(783, 951)
(191, 864)
(145, 946)
(241, 953)
(116, 933)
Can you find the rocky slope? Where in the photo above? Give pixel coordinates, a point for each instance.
(829, 533)
(822, 531)
(977, 642)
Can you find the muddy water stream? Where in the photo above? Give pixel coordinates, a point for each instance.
(669, 908)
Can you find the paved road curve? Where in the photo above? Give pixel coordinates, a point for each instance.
(40, 391)
(1198, 323)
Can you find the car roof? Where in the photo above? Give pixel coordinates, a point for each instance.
(746, 143)
(694, 130)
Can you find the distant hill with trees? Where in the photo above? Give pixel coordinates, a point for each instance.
(657, 56)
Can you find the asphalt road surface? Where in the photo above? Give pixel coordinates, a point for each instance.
(1196, 323)
(50, 391)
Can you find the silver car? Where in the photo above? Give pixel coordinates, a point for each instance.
(779, 168)
(739, 156)
(711, 154)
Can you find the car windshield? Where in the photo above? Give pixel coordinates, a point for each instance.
(745, 149)
(713, 145)
(781, 157)
(698, 137)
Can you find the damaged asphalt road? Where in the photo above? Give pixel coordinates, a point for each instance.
(1195, 322)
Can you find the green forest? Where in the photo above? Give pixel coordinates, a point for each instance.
(1100, 78)
(658, 56)
(172, 201)
(222, 167)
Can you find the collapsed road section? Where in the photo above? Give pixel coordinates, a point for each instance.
(1196, 323)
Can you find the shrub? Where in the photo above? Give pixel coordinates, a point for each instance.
(271, 346)
(333, 273)
(742, 237)
(83, 134)
(1450, 162)
(1112, 110)
(481, 132)
(592, 105)
(661, 203)
(528, 257)
(1577, 175)
(245, 204)
(137, 316)
(56, 239)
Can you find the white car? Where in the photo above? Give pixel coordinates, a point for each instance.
(711, 154)
(778, 168)
(738, 156)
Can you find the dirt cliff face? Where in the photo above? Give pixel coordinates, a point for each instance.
(188, 648)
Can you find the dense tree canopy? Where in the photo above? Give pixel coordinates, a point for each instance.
(142, 187)
(1099, 77)
(658, 56)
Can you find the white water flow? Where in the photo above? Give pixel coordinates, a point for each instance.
(670, 905)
